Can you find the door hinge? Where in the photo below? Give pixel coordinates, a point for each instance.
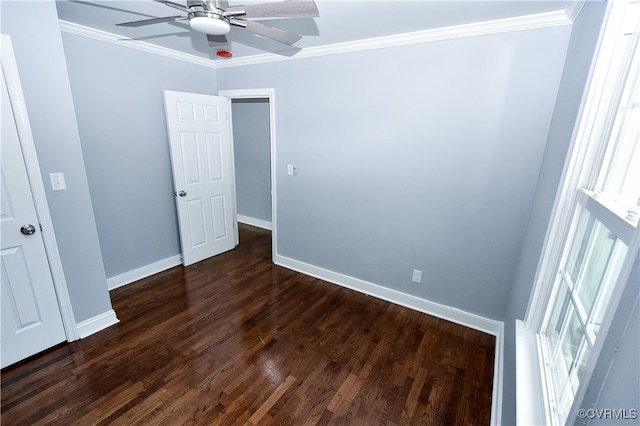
(40, 225)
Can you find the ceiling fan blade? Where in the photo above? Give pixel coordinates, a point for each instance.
(287, 9)
(268, 32)
(104, 6)
(174, 5)
(218, 41)
(150, 21)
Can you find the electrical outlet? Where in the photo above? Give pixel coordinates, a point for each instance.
(417, 276)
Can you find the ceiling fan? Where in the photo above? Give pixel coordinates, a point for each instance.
(208, 17)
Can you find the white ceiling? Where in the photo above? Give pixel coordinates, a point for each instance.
(340, 21)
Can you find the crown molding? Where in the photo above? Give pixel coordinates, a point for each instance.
(574, 8)
(522, 23)
(92, 33)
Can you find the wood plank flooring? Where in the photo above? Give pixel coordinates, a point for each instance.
(236, 340)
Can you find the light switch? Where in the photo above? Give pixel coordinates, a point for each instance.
(57, 181)
(291, 170)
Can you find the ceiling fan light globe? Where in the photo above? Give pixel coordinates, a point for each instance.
(208, 25)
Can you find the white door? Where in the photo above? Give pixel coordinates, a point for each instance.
(31, 319)
(202, 157)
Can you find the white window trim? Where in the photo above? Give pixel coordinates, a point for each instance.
(597, 96)
(600, 93)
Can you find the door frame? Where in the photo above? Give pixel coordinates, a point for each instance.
(29, 153)
(268, 94)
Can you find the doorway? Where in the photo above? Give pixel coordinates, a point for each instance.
(254, 152)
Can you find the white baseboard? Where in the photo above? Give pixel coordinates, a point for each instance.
(448, 313)
(458, 316)
(99, 322)
(498, 369)
(145, 271)
(254, 222)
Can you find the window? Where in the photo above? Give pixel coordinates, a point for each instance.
(594, 237)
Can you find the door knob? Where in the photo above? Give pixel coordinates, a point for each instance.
(182, 194)
(28, 229)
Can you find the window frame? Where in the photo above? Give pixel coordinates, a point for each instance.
(587, 150)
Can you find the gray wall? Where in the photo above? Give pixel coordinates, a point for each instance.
(252, 151)
(45, 83)
(423, 156)
(118, 93)
(578, 61)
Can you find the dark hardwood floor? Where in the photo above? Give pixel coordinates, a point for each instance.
(237, 340)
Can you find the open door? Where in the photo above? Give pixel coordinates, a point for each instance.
(31, 318)
(202, 158)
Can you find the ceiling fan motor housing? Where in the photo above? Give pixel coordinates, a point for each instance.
(209, 22)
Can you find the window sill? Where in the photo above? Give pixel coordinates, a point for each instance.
(529, 394)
